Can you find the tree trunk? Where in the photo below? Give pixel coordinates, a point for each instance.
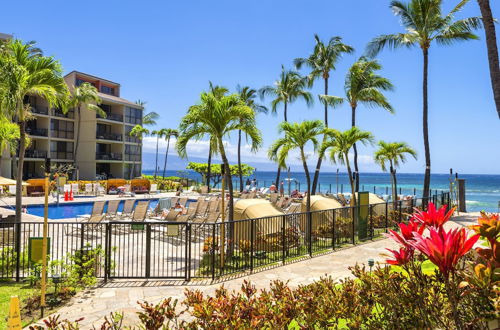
(20, 164)
(351, 181)
(321, 155)
(229, 183)
(285, 105)
(166, 156)
(156, 162)
(133, 169)
(239, 161)
(308, 180)
(209, 168)
(427, 177)
(356, 169)
(491, 44)
(394, 189)
(77, 141)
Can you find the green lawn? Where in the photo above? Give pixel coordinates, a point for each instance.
(8, 289)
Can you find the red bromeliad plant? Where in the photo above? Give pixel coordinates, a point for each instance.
(405, 253)
(444, 248)
(432, 217)
(401, 257)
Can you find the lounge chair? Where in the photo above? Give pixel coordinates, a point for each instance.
(204, 190)
(91, 223)
(154, 189)
(112, 209)
(163, 204)
(191, 210)
(213, 216)
(273, 198)
(294, 208)
(213, 205)
(89, 189)
(75, 188)
(128, 208)
(140, 211)
(174, 200)
(183, 201)
(97, 209)
(202, 208)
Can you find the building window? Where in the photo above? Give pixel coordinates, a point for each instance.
(79, 81)
(133, 116)
(61, 150)
(133, 153)
(129, 138)
(62, 129)
(108, 90)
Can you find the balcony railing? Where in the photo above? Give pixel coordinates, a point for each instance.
(35, 154)
(108, 136)
(62, 134)
(61, 155)
(37, 131)
(41, 110)
(129, 138)
(111, 116)
(108, 156)
(134, 158)
(58, 113)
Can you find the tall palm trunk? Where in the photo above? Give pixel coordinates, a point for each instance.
(491, 44)
(209, 168)
(239, 161)
(77, 141)
(156, 162)
(308, 180)
(356, 169)
(19, 178)
(394, 188)
(278, 173)
(131, 176)
(427, 177)
(166, 156)
(321, 155)
(230, 205)
(351, 181)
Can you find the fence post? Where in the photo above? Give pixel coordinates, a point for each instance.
(333, 230)
(309, 226)
(213, 251)
(252, 239)
(18, 251)
(148, 250)
(370, 208)
(107, 252)
(188, 253)
(283, 237)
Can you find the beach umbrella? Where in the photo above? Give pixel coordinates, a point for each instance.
(9, 182)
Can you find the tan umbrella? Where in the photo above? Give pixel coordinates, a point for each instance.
(9, 182)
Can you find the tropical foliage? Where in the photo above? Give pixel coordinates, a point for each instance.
(138, 132)
(242, 169)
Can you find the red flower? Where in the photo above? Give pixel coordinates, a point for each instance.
(432, 217)
(401, 257)
(444, 249)
(406, 232)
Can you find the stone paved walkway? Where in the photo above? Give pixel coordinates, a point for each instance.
(121, 295)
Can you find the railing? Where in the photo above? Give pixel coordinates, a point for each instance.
(108, 136)
(35, 154)
(62, 134)
(192, 250)
(108, 156)
(133, 157)
(41, 110)
(37, 131)
(61, 155)
(132, 139)
(58, 113)
(111, 116)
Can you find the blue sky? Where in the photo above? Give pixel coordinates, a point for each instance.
(166, 52)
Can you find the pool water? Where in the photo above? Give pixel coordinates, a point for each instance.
(65, 211)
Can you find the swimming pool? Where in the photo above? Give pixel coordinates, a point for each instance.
(68, 211)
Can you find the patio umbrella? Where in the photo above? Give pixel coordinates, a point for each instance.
(9, 182)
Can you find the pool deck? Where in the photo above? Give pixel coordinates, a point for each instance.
(11, 201)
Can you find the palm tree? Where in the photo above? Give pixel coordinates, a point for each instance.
(424, 23)
(159, 134)
(9, 136)
(168, 133)
(287, 89)
(340, 144)
(297, 136)
(217, 117)
(25, 71)
(138, 132)
(150, 118)
(323, 60)
(491, 44)
(364, 86)
(84, 95)
(248, 96)
(393, 153)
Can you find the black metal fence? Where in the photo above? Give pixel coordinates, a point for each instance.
(190, 250)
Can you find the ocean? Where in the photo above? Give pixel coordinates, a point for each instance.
(482, 190)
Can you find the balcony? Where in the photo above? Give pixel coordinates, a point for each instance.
(109, 136)
(35, 154)
(62, 134)
(59, 113)
(108, 156)
(111, 116)
(132, 139)
(40, 110)
(37, 131)
(133, 157)
(61, 155)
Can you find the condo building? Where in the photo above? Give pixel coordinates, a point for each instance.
(105, 150)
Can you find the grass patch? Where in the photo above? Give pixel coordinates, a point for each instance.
(8, 289)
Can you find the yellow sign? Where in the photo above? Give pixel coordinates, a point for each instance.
(14, 321)
(35, 248)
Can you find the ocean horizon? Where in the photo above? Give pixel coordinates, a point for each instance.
(482, 190)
